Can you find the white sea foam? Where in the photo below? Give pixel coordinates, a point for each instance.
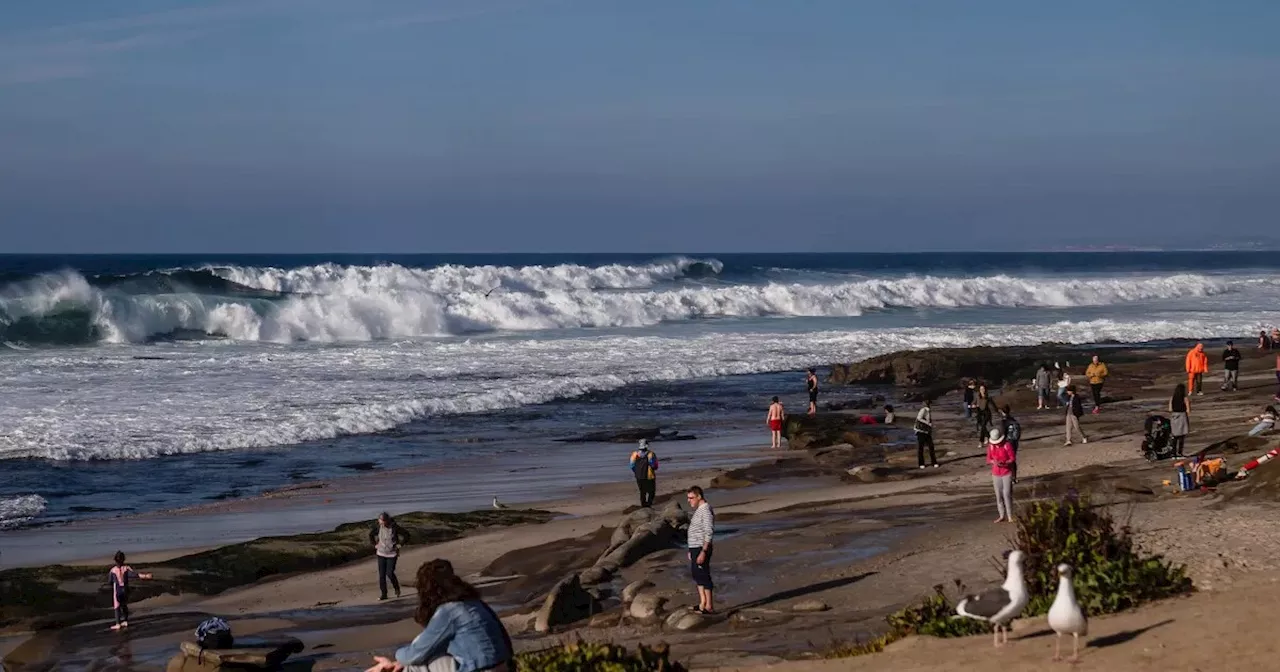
(339, 304)
(17, 510)
(102, 403)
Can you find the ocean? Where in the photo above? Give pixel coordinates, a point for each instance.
(138, 383)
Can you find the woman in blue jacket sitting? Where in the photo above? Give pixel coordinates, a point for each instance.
(461, 633)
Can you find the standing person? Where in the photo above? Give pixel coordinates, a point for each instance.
(387, 537)
(460, 632)
(1001, 458)
(984, 410)
(644, 464)
(1197, 365)
(1097, 374)
(777, 415)
(970, 390)
(1179, 418)
(1043, 381)
(1264, 341)
(1012, 433)
(811, 382)
(118, 576)
(889, 415)
(1277, 395)
(1230, 368)
(1064, 382)
(924, 435)
(1075, 411)
(702, 527)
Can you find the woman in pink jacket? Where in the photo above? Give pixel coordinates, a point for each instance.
(1001, 457)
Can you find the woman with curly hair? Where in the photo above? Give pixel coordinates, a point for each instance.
(461, 633)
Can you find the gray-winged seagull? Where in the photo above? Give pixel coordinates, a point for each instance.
(999, 606)
(1065, 616)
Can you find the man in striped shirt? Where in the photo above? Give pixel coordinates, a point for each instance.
(702, 526)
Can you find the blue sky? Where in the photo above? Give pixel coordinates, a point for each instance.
(641, 125)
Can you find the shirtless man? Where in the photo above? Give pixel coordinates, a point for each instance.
(812, 383)
(775, 419)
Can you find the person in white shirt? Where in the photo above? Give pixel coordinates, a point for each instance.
(924, 435)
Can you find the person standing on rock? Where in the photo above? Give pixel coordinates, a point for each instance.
(118, 577)
(1197, 365)
(924, 435)
(387, 537)
(1043, 381)
(702, 527)
(811, 382)
(644, 464)
(1231, 368)
(1097, 374)
(777, 415)
(1075, 411)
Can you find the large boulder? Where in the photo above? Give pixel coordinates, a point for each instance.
(248, 653)
(943, 368)
(635, 588)
(808, 432)
(647, 607)
(567, 602)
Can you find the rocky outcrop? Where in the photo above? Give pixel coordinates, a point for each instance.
(943, 368)
(630, 435)
(247, 654)
(567, 602)
(809, 432)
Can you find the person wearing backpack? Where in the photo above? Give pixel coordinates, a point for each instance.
(644, 464)
(1012, 433)
(387, 537)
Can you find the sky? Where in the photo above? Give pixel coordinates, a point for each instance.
(641, 125)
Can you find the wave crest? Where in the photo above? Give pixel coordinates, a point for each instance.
(18, 510)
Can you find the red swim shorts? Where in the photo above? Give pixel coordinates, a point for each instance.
(775, 425)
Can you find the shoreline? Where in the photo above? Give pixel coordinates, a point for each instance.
(790, 537)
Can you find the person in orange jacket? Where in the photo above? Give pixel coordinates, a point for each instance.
(1197, 366)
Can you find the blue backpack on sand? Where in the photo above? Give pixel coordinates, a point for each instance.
(214, 633)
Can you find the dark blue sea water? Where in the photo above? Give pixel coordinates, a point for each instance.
(128, 379)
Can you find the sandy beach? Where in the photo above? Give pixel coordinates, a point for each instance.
(807, 555)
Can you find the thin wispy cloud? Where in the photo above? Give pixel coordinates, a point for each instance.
(81, 49)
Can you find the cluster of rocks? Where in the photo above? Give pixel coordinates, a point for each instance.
(580, 594)
(929, 373)
(631, 435)
(248, 654)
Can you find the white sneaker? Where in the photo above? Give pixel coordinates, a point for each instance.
(922, 466)
(1084, 440)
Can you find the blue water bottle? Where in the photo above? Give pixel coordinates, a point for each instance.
(1182, 478)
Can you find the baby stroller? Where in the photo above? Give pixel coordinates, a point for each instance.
(1157, 441)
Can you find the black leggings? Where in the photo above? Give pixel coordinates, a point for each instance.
(924, 440)
(1097, 394)
(648, 490)
(387, 570)
(1178, 442)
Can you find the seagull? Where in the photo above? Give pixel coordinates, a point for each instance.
(497, 504)
(1065, 616)
(999, 606)
(486, 294)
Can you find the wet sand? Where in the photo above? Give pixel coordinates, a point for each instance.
(863, 549)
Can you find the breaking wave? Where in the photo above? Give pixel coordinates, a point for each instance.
(336, 303)
(18, 510)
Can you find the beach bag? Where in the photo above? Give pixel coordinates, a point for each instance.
(214, 633)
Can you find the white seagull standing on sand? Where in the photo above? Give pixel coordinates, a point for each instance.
(999, 606)
(1065, 616)
(497, 504)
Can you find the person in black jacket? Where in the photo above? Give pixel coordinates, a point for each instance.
(1230, 368)
(1075, 410)
(387, 537)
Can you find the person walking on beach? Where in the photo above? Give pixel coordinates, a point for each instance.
(811, 382)
(644, 464)
(1231, 368)
(1043, 381)
(387, 537)
(1179, 418)
(777, 415)
(1197, 365)
(984, 410)
(460, 632)
(1012, 434)
(1001, 458)
(118, 577)
(970, 391)
(1097, 374)
(702, 527)
(1075, 411)
(924, 435)
(1264, 341)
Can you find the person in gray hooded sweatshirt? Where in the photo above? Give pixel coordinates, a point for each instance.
(387, 537)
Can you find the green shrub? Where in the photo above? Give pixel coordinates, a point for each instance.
(934, 616)
(1111, 574)
(589, 657)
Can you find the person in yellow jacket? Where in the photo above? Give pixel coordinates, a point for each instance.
(1197, 366)
(1097, 374)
